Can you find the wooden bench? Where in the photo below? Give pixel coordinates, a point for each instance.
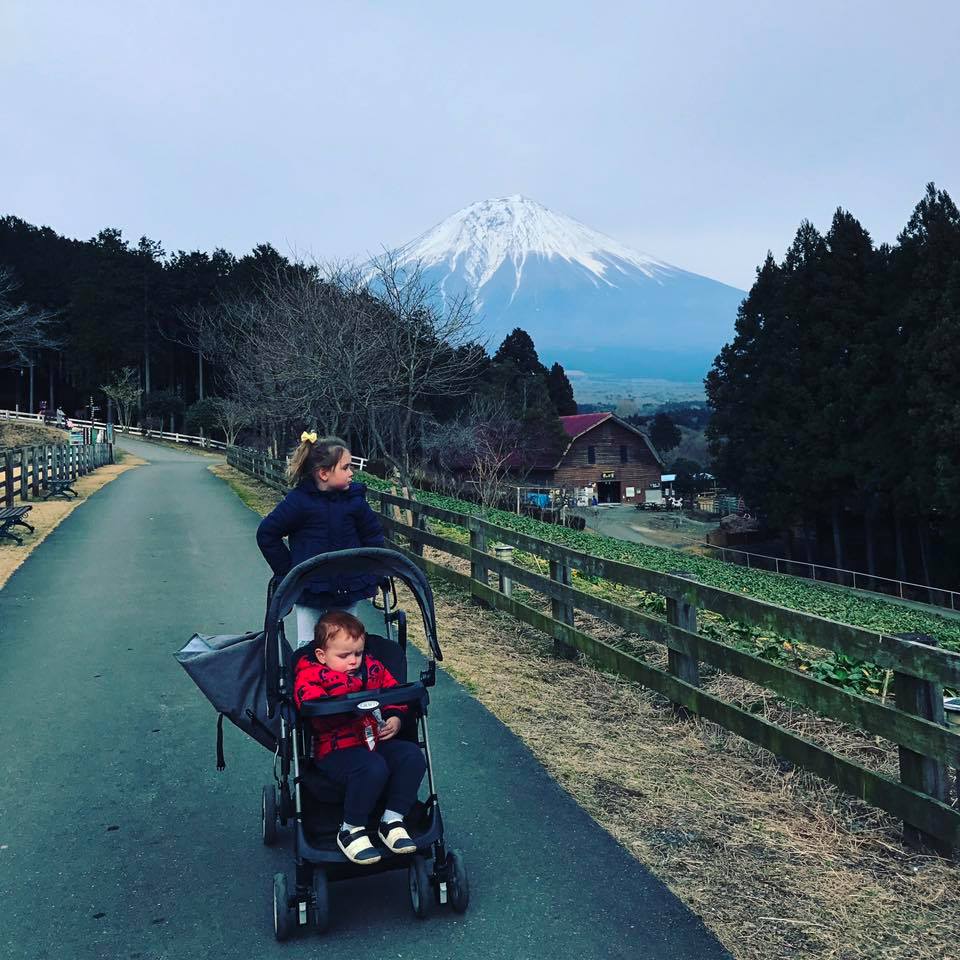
(13, 517)
(60, 488)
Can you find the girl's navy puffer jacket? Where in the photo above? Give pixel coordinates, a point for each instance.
(319, 521)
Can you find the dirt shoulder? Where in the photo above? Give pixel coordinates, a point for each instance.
(777, 863)
(48, 515)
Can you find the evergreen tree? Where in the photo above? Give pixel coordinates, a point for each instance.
(664, 433)
(561, 392)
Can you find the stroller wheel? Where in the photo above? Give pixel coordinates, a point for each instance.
(459, 885)
(321, 901)
(268, 816)
(420, 892)
(282, 920)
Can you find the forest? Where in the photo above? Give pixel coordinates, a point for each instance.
(836, 406)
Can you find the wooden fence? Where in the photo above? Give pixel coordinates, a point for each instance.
(26, 472)
(927, 747)
(266, 469)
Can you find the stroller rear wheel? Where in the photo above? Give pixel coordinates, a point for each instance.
(282, 919)
(268, 816)
(321, 901)
(420, 892)
(459, 884)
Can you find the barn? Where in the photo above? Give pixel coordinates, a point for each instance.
(605, 457)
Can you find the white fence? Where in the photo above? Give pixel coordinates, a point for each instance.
(200, 441)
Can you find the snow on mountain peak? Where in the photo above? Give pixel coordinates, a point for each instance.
(477, 240)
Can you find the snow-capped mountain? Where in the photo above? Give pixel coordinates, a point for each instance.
(587, 300)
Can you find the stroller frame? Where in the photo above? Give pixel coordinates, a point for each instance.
(436, 874)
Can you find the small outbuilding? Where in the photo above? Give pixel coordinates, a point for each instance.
(605, 457)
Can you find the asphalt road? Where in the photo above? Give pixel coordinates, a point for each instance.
(118, 838)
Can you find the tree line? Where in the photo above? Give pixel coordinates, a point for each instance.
(260, 347)
(836, 406)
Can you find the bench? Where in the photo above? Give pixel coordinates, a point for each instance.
(60, 488)
(13, 517)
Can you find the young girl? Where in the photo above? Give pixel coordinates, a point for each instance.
(324, 511)
(368, 763)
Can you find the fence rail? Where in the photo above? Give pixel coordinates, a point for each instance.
(269, 470)
(927, 746)
(25, 472)
(841, 576)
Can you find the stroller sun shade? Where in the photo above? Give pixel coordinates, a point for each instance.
(370, 561)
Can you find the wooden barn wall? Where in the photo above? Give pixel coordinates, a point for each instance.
(638, 472)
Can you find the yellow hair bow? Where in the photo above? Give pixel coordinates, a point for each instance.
(312, 437)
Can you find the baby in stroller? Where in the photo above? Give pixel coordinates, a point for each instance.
(362, 754)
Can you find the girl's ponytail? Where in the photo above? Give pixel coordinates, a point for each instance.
(312, 454)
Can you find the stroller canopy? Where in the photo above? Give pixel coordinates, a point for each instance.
(371, 561)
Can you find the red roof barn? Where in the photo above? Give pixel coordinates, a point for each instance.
(605, 453)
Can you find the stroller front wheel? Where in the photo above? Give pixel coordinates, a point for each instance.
(321, 900)
(282, 920)
(420, 893)
(459, 883)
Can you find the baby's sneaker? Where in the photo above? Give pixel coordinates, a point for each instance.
(395, 837)
(356, 845)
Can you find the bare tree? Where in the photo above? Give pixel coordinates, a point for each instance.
(22, 329)
(352, 355)
(485, 442)
(231, 416)
(125, 392)
(429, 351)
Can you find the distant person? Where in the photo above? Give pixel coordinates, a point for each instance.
(358, 752)
(325, 511)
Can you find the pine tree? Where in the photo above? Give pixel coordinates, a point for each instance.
(561, 392)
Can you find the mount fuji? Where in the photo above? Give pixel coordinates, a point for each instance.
(587, 300)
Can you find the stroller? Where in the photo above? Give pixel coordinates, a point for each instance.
(250, 680)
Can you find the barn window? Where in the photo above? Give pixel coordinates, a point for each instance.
(623, 453)
(591, 454)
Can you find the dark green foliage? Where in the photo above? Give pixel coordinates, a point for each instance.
(561, 393)
(664, 433)
(163, 403)
(837, 404)
(685, 471)
(202, 415)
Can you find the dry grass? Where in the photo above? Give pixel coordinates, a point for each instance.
(14, 433)
(777, 862)
(47, 515)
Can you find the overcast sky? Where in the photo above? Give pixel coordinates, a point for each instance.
(699, 132)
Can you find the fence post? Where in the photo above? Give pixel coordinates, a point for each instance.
(503, 551)
(419, 522)
(682, 665)
(44, 466)
(23, 474)
(923, 698)
(8, 478)
(478, 541)
(560, 610)
(35, 468)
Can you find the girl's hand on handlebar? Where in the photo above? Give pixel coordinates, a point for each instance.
(390, 729)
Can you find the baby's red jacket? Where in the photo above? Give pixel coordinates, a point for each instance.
(312, 680)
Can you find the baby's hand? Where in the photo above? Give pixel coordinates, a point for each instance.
(390, 729)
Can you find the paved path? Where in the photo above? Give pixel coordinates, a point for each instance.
(118, 838)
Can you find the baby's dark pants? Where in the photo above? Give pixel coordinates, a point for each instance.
(395, 767)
